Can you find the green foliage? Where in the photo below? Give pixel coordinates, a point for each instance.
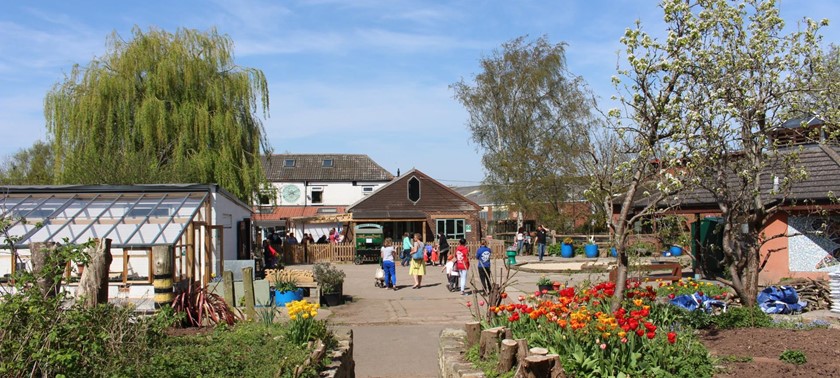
(793, 356)
(734, 358)
(531, 118)
(44, 335)
(679, 318)
(329, 276)
(743, 317)
(31, 166)
(284, 283)
(543, 280)
(672, 230)
(690, 286)
(246, 350)
(553, 249)
(161, 108)
(488, 366)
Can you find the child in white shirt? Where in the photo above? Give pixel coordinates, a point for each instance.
(451, 274)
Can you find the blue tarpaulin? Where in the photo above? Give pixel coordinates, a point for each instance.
(780, 300)
(696, 301)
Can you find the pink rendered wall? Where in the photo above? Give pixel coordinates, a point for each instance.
(778, 266)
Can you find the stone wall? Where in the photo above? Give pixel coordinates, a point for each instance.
(451, 355)
(343, 365)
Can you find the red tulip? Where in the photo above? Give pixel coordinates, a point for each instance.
(651, 335)
(672, 337)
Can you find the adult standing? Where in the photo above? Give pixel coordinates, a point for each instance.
(406, 251)
(462, 264)
(388, 254)
(418, 266)
(520, 240)
(541, 236)
(482, 254)
(443, 248)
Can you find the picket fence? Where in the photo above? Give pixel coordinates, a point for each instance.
(318, 253)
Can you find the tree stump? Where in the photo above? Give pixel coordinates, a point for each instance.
(539, 367)
(522, 350)
(507, 356)
(93, 284)
(538, 352)
(473, 333)
(46, 276)
(556, 370)
(489, 342)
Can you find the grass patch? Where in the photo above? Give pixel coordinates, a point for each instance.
(487, 366)
(793, 356)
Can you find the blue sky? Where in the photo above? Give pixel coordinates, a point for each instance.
(344, 76)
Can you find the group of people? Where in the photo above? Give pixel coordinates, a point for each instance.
(523, 240)
(456, 267)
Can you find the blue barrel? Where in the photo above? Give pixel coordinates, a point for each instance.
(283, 297)
(591, 250)
(676, 250)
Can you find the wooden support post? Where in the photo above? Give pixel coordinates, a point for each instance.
(248, 283)
(46, 275)
(507, 356)
(489, 341)
(190, 253)
(227, 282)
(93, 284)
(473, 333)
(162, 269)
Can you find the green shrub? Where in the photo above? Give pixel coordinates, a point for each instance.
(793, 356)
(679, 318)
(743, 317)
(245, 350)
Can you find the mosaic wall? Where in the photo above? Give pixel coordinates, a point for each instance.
(815, 244)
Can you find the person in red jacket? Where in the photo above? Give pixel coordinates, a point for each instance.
(462, 263)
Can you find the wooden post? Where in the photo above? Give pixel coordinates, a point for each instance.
(473, 333)
(162, 256)
(507, 356)
(191, 253)
(40, 252)
(556, 367)
(93, 284)
(489, 341)
(248, 283)
(227, 282)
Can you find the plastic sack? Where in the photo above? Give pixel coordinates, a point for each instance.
(780, 300)
(696, 301)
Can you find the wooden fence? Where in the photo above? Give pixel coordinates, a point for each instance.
(317, 253)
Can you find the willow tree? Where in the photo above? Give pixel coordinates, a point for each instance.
(161, 108)
(530, 116)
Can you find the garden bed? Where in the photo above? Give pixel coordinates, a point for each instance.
(754, 352)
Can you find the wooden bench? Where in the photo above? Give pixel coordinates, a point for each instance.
(674, 269)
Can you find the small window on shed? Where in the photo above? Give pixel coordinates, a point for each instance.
(366, 190)
(328, 163)
(414, 189)
(288, 163)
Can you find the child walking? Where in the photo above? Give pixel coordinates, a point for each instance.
(451, 274)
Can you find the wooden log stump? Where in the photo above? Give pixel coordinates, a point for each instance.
(522, 350)
(557, 368)
(46, 278)
(508, 333)
(507, 356)
(489, 341)
(473, 333)
(93, 284)
(537, 367)
(538, 352)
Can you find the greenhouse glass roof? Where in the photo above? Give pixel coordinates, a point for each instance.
(128, 219)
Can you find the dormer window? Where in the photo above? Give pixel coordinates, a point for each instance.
(289, 163)
(328, 163)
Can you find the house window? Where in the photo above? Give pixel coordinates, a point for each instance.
(328, 163)
(317, 195)
(266, 197)
(289, 163)
(367, 190)
(452, 228)
(414, 189)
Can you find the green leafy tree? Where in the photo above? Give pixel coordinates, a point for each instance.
(30, 166)
(748, 76)
(530, 117)
(161, 108)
